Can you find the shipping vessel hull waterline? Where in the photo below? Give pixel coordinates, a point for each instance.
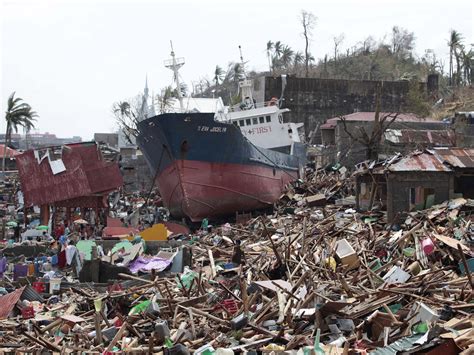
(205, 168)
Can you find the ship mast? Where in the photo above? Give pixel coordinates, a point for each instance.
(175, 64)
(245, 86)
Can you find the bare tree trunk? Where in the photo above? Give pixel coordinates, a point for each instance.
(306, 52)
(7, 133)
(269, 62)
(458, 69)
(450, 66)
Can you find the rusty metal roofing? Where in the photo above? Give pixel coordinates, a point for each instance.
(436, 138)
(9, 301)
(370, 116)
(419, 162)
(86, 173)
(457, 157)
(10, 153)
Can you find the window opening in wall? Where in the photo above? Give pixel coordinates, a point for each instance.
(254, 120)
(268, 118)
(261, 119)
(242, 123)
(248, 122)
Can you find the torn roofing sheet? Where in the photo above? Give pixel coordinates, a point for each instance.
(85, 173)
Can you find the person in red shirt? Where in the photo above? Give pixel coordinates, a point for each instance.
(59, 230)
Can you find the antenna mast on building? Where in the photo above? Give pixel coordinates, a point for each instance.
(175, 64)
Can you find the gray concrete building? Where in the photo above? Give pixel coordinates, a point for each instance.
(416, 181)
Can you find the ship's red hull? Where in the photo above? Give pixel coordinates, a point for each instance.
(199, 189)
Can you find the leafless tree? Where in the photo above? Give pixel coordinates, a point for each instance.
(308, 21)
(371, 139)
(337, 42)
(402, 42)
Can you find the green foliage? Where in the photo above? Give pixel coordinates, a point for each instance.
(416, 101)
(18, 114)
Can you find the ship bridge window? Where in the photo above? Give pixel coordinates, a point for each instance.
(248, 122)
(236, 123)
(261, 119)
(268, 118)
(254, 120)
(241, 123)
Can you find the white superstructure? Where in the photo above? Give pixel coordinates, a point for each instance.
(262, 124)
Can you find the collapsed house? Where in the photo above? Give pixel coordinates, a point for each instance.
(416, 181)
(406, 133)
(70, 176)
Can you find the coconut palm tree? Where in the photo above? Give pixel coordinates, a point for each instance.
(269, 55)
(298, 59)
(218, 75)
(18, 114)
(235, 72)
(467, 62)
(454, 44)
(278, 49)
(286, 56)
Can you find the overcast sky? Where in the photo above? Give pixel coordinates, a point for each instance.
(71, 60)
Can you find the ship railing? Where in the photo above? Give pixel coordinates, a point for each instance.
(243, 106)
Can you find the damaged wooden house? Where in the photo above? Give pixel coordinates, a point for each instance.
(416, 181)
(346, 139)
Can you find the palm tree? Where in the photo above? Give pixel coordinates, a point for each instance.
(269, 55)
(165, 100)
(218, 75)
(454, 43)
(278, 49)
(467, 61)
(286, 56)
(298, 59)
(235, 73)
(18, 114)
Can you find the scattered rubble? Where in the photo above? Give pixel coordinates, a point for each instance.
(316, 276)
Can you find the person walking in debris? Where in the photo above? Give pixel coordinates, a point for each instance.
(16, 232)
(238, 256)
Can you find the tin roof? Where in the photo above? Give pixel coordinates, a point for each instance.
(79, 170)
(9, 301)
(437, 159)
(419, 162)
(11, 153)
(370, 116)
(457, 157)
(437, 138)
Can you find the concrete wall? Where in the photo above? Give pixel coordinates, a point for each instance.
(314, 100)
(399, 184)
(464, 129)
(109, 138)
(136, 173)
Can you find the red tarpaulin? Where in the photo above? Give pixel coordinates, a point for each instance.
(85, 174)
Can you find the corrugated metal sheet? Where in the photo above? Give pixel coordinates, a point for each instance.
(440, 138)
(399, 346)
(9, 301)
(457, 157)
(10, 152)
(420, 162)
(86, 174)
(31, 294)
(369, 116)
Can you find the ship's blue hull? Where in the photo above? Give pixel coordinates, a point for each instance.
(206, 168)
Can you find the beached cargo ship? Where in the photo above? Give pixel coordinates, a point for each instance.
(205, 168)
